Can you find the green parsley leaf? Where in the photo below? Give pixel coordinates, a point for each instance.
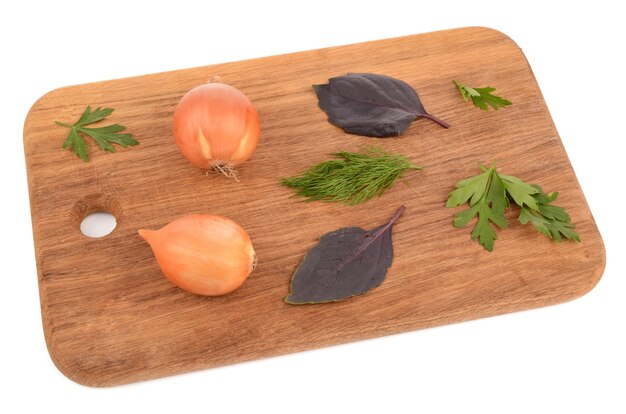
(521, 192)
(104, 136)
(490, 193)
(487, 198)
(481, 97)
(553, 221)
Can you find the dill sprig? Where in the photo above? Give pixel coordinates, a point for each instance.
(352, 177)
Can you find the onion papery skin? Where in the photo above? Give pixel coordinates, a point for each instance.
(204, 254)
(216, 125)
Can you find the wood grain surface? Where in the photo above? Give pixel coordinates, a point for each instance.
(111, 317)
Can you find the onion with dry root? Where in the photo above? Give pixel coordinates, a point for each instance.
(216, 127)
(203, 254)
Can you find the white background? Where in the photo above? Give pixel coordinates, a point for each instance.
(564, 359)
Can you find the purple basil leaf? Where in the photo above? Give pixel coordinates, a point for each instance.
(371, 105)
(345, 263)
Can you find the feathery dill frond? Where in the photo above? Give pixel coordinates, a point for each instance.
(351, 177)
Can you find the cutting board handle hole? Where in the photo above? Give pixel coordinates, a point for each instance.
(99, 224)
(96, 215)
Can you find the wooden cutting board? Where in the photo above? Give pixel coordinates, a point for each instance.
(111, 317)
